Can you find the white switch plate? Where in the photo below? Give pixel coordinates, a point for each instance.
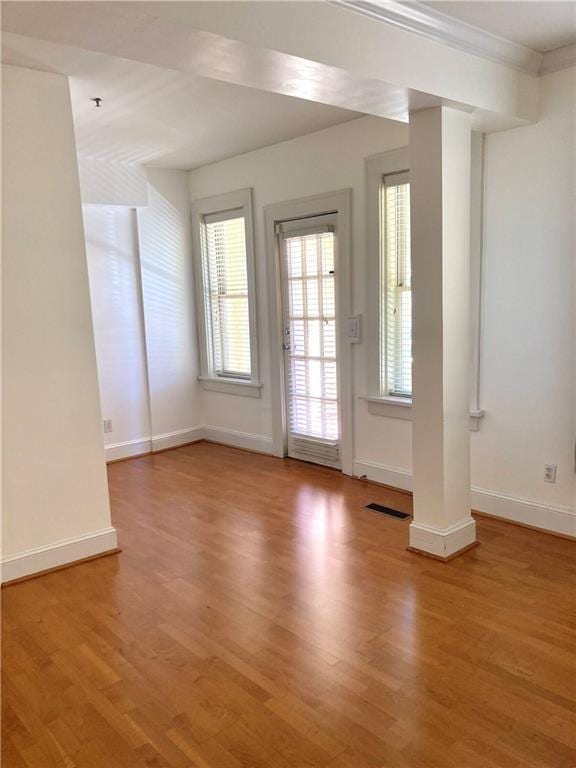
(107, 424)
(355, 328)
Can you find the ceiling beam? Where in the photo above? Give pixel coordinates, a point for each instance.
(315, 51)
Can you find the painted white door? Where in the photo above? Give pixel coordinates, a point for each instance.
(309, 313)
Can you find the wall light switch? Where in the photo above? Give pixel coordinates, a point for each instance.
(355, 328)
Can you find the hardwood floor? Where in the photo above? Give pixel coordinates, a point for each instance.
(259, 616)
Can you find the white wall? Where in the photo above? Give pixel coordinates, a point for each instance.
(527, 373)
(527, 346)
(142, 302)
(116, 298)
(170, 324)
(527, 322)
(325, 161)
(54, 473)
(107, 182)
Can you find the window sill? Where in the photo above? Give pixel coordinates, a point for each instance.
(230, 386)
(392, 407)
(401, 408)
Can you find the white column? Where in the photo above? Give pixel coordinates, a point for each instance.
(440, 230)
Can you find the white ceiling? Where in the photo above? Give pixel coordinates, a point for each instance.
(166, 118)
(158, 116)
(542, 26)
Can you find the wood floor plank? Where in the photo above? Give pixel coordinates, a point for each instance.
(260, 617)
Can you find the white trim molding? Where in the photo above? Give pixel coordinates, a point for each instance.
(231, 437)
(555, 518)
(395, 477)
(259, 443)
(230, 386)
(125, 450)
(175, 439)
(392, 407)
(560, 58)
(117, 451)
(547, 517)
(221, 206)
(422, 20)
(59, 554)
(401, 408)
(443, 542)
(375, 168)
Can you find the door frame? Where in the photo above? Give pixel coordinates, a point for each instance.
(340, 203)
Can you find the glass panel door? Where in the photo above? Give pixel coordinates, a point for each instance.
(309, 339)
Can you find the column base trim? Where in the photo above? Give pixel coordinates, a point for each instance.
(439, 557)
(540, 516)
(443, 543)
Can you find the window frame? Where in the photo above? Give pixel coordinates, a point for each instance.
(389, 163)
(219, 205)
(387, 180)
(377, 167)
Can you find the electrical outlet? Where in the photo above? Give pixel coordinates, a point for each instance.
(107, 423)
(549, 473)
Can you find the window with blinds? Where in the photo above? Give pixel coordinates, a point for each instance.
(225, 275)
(396, 289)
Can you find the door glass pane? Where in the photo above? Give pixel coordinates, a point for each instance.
(310, 314)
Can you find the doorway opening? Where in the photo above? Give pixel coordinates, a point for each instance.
(307, 249)
(310, 299)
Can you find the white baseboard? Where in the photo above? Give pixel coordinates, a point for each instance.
(129, 448)
(174, 439)
(251, 442)
(238, 439)
(116, 451)
(58, 554)
(443, 542)
(397, 478)
(548, 517)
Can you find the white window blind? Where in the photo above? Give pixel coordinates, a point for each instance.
(310, 333)
(312, 380)
(396, 313)
(226, 294)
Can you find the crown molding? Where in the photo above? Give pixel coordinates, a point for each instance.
(416, 17)
(560, 58)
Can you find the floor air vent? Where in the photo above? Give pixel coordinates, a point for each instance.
(387, 511)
